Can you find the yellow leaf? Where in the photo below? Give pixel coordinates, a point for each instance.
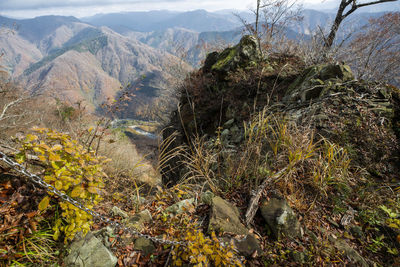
(44, 203)
(42, 158)
(58, 185)
(56, 235)
(69, 150)
(56, 147)
(178, 262)
(54, 157)
(38, 150)
(76, 191)
(31, 137)
(92, 190)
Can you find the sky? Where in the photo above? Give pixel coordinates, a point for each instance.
(82, 8)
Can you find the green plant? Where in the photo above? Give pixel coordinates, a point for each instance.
(70, 168)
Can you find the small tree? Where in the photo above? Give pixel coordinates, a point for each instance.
(347, 7)
(374, 52)
(274, 16)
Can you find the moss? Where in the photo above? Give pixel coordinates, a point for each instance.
(225, 57)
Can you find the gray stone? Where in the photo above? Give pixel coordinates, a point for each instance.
(311, 83)
(298, 257)
(137, 221)
(207, 197)
(225, 133)
(181, 206)
(229, 123)
(248, 245)
(351, 253)
(89, 251)
(280, 218)
(104, 235)
(138, 201)
(145, 245)
(224, 217)
(118, 212)
(357, 231)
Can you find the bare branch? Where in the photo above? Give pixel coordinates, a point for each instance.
(9, 105)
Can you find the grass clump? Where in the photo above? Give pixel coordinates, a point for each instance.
(308, 164)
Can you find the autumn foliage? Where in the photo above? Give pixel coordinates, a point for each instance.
(71, 169)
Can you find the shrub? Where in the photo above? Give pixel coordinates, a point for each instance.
(203, 251)
(70, 168)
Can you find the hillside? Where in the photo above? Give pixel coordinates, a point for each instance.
(308, 154)
(266, 161)
(72, 60)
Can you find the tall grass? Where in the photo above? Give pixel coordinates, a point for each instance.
(312, 164)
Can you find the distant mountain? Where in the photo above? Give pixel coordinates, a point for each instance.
(73, 61)
(197, 20)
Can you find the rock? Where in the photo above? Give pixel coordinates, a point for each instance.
(351, 253)
(207, 197)
(299, 257)
(280, 218)
(248, 245)
(181, 206)
(104, 235)
(211, 59)
(137, 221)
(145, 245)
(89, 251)
(244, 54)
(118, 212)
(224, 217)
(137, 201)
(357, 231)
(311, 83)
(229, 123)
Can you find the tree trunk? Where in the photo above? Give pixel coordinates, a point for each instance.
(339, 18)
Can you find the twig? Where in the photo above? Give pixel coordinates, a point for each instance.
(169, 256)
(252, 209)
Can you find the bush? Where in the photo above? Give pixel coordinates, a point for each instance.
(71, 169)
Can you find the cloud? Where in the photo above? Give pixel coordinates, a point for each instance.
(41, 4)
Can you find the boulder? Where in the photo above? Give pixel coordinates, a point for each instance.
(312, 82)
(244, 54)
(224, 217)
(180, 206)
(145, 245)
(351, 253)
(89, 251)
(248, 246)
(207, 197)
(280, 218)
(118, 212)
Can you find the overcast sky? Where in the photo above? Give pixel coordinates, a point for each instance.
(81, 8)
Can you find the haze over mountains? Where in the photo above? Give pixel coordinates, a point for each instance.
(91, 58)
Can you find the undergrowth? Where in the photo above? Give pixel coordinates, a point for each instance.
(313, 165)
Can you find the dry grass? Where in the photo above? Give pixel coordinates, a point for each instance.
(313, 165)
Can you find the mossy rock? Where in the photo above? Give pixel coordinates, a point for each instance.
(244, 54)
(317, 80)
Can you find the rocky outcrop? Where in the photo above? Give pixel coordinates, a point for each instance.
(244, 54)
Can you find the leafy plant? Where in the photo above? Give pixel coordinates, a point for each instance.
(70, 168)
(202, 251)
